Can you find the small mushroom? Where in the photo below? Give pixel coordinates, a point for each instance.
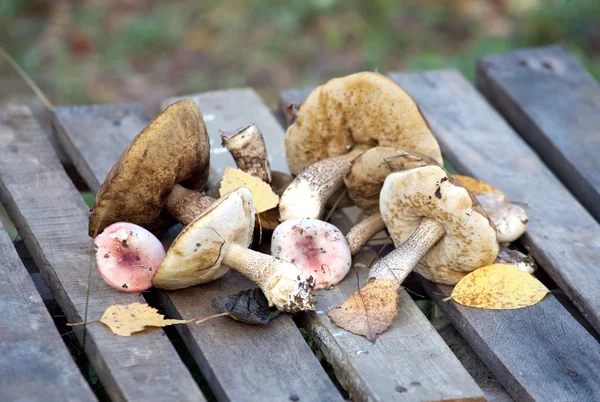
(163, 169)
(248, 149)
(510, 219)
(219, 239)
(127, 256)
(316, 247)
(439, 231)
(364, 182)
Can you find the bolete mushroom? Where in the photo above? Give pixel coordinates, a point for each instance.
(219, 239)
(161, 172)
(439, 230)
(316, 247)
(337, 122)
(127, 256)
(364, 182)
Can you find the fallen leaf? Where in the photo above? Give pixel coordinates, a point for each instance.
(262, 195)
(498, 287)
(475, 186)
(370, 310)
(248, 306)
(125, 319)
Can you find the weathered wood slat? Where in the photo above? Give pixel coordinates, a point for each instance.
(269, 363)
(540, 352)
(554, 104)
(35, 363)
(408, 362)
(52, 218)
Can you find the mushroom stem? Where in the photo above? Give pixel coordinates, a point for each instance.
(247, 147)
(283, 283)
(186, 205)
(401, 261)
(310, 190)
(363, 231)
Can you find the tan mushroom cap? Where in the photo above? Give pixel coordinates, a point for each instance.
(359, 111)
(370, 169)
(195, 256)
(469, 241)
(174, 148)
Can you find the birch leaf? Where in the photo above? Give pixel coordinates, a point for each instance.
(262, 195)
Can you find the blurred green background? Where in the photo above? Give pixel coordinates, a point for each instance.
(133, 50)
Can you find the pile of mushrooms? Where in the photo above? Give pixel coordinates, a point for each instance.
(357, 140)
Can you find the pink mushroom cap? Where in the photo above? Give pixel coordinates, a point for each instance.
(127, 256)
(318, 248)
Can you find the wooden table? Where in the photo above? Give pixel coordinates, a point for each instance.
(530, 128)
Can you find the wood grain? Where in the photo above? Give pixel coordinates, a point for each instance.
(408, 362)
(269, 363)
(541, 352)
(554, 104)
(52, 218)
(35, 363)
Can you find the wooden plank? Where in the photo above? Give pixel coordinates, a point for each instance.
(35, 364)
(540, 352)
(52, 218)
(237, 360)
(408, 362)
(554, 104)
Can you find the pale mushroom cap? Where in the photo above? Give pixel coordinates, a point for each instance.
(370, 169)
(173, 148)
(127, 256)
(196, 254)
(470, 239)
(357, 111)
(318, 248)
(511, 220)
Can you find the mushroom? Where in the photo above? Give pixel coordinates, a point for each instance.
(508, 256)
(510, 219)
(316, 247)
(337, 122)
(364, 182)
(127, 256)
(163, 169)
(219, 239)
(247, 147)
(438, 229)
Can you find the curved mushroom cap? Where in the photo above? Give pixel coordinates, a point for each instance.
(511, 220)
(361, 110)
(195, 256)
(370, 169)
(173, 148)
(470, 239)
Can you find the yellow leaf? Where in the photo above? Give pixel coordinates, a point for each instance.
(475, 186)
(125, 319)
(499, 287)
(262, 195)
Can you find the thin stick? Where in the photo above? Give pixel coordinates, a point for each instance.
(259, 229)
(81, 323)
(335, 204)
(27, 79)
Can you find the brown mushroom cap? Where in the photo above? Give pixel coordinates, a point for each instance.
(370, 169)
(469, 241)
(173, 149)
(196, 255)
(358, 111)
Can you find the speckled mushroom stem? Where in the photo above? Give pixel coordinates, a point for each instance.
(248, 149)
(283, 283)
(307, 195)
(400, 262)
(364, 231)
(186, 205)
